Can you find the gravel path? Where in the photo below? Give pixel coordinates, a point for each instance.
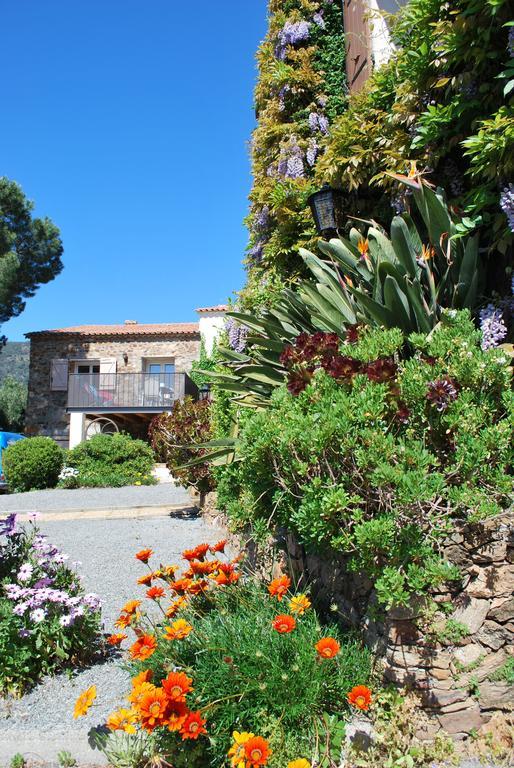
(40, 724)
(59, 499)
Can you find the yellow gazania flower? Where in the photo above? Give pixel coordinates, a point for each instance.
(236, 752)
(301, 763)
(299, 604)
(179, 630)
(84, 701)
(122, 720)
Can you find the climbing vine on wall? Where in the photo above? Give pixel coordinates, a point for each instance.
(444, 100)
(300, 91)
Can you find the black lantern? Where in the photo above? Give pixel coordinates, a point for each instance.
(327, 209)
(204, 392)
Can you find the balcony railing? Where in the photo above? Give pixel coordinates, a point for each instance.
(128, 391)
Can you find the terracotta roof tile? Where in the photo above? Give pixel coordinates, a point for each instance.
(127, 329)
(217, 308)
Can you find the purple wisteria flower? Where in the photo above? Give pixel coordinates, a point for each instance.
(441, 393)
(319, 20)
(256, 251)
(261, 219)
(312, 152)
(318, 122)
(510, 44)
(236, 335)
(292, 33)
(492, 326)
(507, 204)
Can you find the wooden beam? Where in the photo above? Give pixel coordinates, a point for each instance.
(358, 43)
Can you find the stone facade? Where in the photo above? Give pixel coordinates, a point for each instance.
(448, 648)
(46, 409)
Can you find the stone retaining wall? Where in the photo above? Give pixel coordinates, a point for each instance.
(449, 648)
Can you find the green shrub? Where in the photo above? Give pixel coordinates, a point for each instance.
(378, 444)
(111, 461)
(173, 433)
(32, 464)
(46, 620)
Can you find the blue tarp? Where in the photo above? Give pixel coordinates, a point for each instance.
(6, 438)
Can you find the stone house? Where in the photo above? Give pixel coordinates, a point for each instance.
(104, 378)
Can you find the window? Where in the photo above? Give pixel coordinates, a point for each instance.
(87, 368)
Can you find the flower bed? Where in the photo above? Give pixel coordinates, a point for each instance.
(233, 672)
(46, 619)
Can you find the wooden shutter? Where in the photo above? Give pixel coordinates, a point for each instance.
(59, 375)
(358, 49)
(107, 373)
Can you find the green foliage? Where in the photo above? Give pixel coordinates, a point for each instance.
(505, 673)
(30, 250)
(66, 759)
(13, 400)
(247, 677)
(445, 101)
(376, 469)
(304, 78)
(53, 627)
(32, 464)
(173, 434)
(452, 632)
(111, 461)
(17, 761)
(14, 361)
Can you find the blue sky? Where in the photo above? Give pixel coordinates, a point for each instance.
(127, 122)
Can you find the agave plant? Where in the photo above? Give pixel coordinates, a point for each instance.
(403, 280)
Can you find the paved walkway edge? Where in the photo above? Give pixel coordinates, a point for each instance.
(110, 513)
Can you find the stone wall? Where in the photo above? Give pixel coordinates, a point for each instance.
(46, 409)
(449, 648)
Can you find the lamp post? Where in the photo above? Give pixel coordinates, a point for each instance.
(327, 210)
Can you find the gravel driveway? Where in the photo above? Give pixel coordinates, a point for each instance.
(59, 499)
(40, 724)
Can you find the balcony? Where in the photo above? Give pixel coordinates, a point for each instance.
(128, 392)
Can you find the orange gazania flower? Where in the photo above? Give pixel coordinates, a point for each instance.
(179, 630)
(193, 726)
(278, 587)
(122, 720)
(123, 621)
(181, 585)
(138, 691)
(116, 639)
(176, 685)
(197, 587)
(189, 554)
(145, 580)
(144, 555)
(299, 604)
(236, 752)
(257, 751)
(177, 713)
(143, 677)
(131, 606)
(170, 570)
(301, 763)
(152, 708)
(363, 246)
(175, 607)
(219, 546)
(359, 697)
(199, 568)
(327, 647)
(154, 593)
(284, 624)
(84, 702)
(200, 551)
(143, 647)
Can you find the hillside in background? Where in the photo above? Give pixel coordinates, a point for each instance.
(14, 360)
